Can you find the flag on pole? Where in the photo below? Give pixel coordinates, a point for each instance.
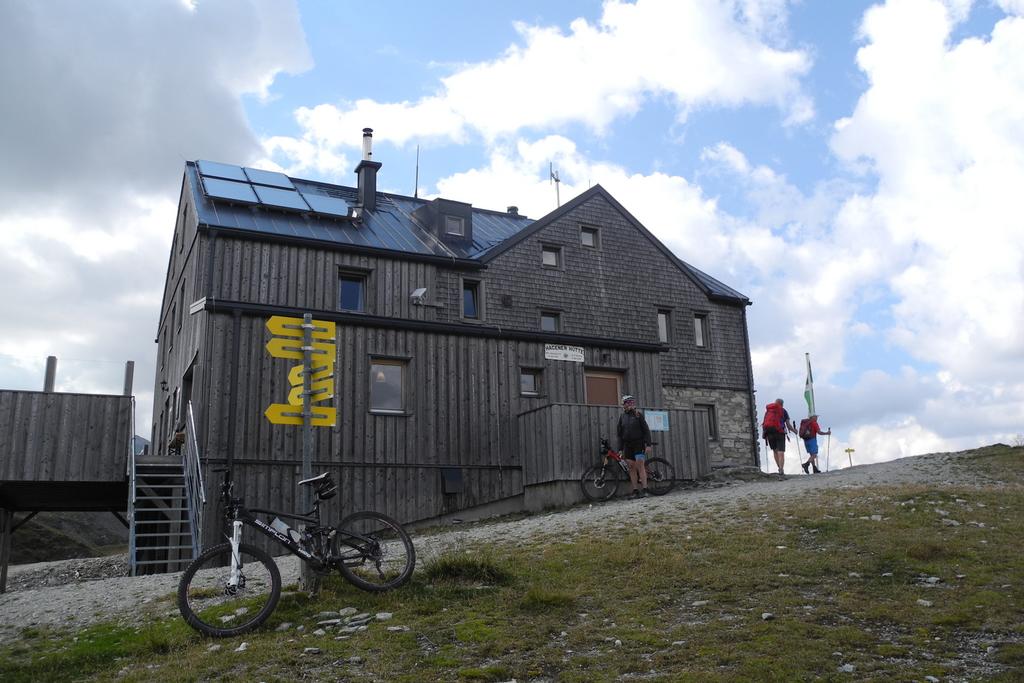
(809, 388)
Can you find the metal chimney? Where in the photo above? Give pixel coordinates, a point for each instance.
(367, 144)
(366, 171)
(51, 374)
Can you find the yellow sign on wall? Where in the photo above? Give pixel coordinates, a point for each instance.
(289, 344)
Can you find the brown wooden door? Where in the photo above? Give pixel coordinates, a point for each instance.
(602, 388)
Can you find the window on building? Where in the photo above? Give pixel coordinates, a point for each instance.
(550, 321)
(700, 329)
(174, 316)
(589, 238)
(387, 385)
(352, 293)
(530, 382)
(551, 257)
(454, 225)
(471, 300)
(711, 419)
(664, 326)
(602, 388)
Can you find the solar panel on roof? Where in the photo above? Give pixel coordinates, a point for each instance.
(332, 206)
(287, 199)
(272, 178)
(229, 189)
(218, 170)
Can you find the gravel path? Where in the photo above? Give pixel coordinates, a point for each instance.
(35, 598)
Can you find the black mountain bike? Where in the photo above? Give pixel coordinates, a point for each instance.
(602, 481)
(234, 587)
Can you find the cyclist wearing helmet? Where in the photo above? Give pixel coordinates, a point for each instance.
(634, 444)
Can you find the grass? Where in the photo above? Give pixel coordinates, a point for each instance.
(661, 600)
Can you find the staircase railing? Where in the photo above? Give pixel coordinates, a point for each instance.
(131, 511)
(195, 492)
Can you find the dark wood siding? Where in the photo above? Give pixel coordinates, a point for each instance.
(306, 277)
(58, 437)
(616, 292)
(462, 398)
(564, 441)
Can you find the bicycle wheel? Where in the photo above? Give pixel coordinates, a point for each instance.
(213, 607)
(601, 482)
(373, 551)
(661, 476)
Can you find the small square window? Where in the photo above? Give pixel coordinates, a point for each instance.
(700, 329)
(471, 299)
(352, 293)
(589, 238)
(664, 326)
(454, 225)
(550, 322)
(387, 386)
(710, 418)
(529, 382)
(551, 257)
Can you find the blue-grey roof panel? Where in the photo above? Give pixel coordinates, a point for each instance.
(272, 178)
(230, 190)
(328, 205)
(276, 196)
(219, 170)
(390, 226)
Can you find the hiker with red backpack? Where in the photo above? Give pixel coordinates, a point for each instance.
(774, 431)
(809, 431)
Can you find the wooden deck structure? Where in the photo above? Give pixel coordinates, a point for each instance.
(61, 452)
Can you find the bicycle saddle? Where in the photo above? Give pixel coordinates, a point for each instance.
(314, 480)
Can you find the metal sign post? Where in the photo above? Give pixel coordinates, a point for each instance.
(313, 343)
(307, 409)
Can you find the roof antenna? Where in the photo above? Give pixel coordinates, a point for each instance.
(416, 189)
(554, 177)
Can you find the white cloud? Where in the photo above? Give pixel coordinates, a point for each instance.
(101, 107)
(940, 126)
(693, 53)
(1011, 6)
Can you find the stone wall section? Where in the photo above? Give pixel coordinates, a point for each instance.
(734, 444)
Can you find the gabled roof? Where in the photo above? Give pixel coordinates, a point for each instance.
(713, 288)
(391, 226)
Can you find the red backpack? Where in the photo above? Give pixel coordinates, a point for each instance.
(806, 431)
(772, 420)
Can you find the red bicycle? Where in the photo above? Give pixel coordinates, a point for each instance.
(601, 482)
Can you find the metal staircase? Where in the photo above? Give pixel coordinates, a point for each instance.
(165, 509)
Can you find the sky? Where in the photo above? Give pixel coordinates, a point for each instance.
(854, 168)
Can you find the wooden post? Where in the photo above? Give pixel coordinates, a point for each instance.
(849, 452)
(6, 518)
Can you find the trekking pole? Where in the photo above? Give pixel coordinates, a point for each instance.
(828, 447)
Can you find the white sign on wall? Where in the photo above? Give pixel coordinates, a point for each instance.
(563, 352)
(657, 420)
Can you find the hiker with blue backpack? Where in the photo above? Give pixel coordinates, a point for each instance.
(809, 431)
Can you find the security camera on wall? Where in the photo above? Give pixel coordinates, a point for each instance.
(419, 296)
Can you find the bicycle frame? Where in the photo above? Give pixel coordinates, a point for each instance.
(239, 515)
